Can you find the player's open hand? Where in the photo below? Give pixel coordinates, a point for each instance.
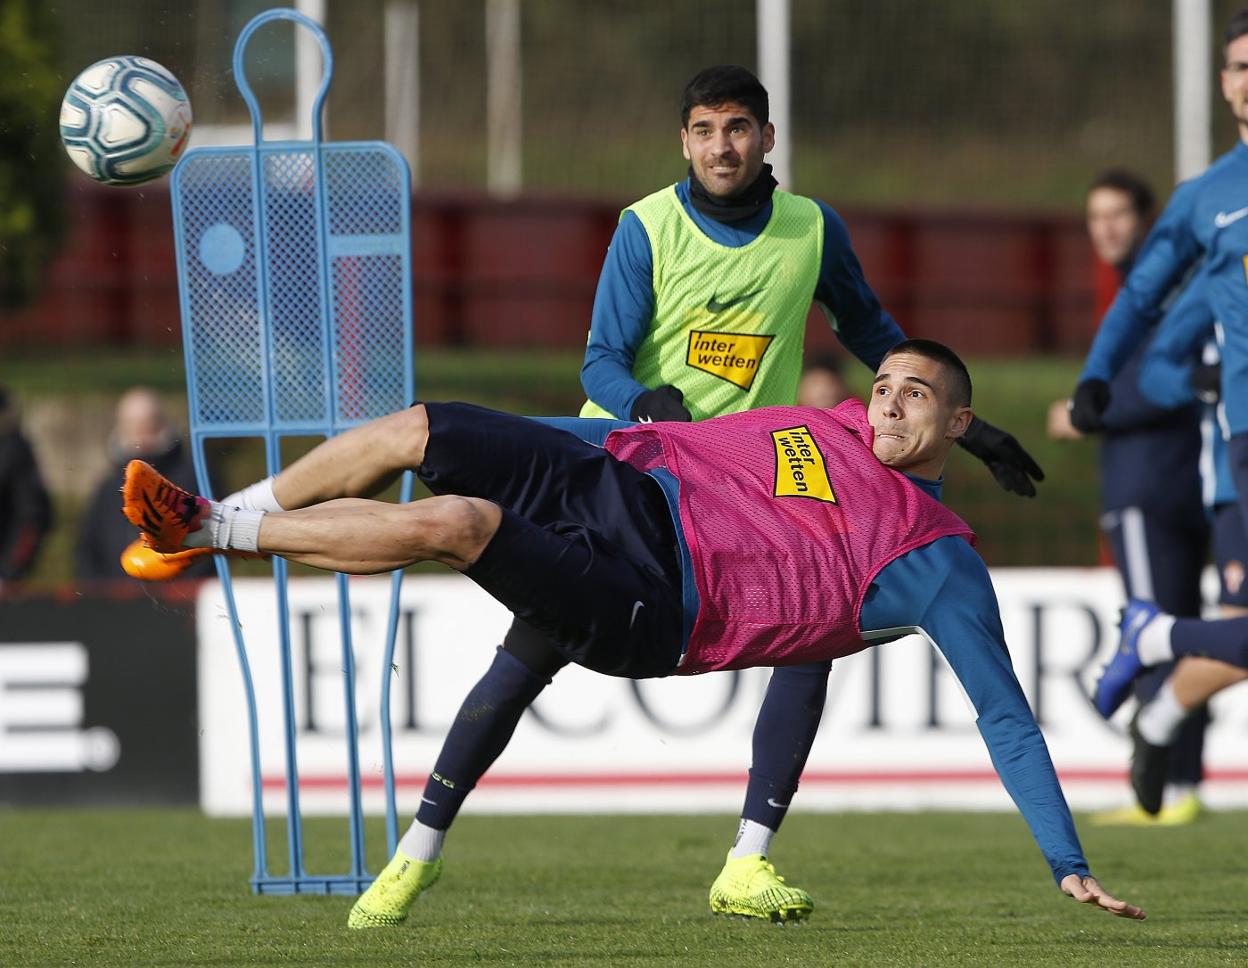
(1087, 890)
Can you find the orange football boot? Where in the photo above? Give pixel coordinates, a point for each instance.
(164, 512)
(140, 561)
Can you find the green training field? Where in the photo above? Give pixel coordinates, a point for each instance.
(132, 888)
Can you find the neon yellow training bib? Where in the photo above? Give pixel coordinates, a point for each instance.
(728, 323)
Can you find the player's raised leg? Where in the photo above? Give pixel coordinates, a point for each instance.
(352, 535)
(1150, 637)
(359, 463)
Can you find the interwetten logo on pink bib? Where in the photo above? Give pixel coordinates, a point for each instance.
(781, 576)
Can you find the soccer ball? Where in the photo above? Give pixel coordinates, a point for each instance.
(125, 120)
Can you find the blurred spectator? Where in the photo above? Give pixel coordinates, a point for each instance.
(25, 510)
(1119, 209)
(142, 430)
(822, 384)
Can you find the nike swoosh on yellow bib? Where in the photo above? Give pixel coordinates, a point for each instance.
(800, 470)
(713, 305)
(735, 357)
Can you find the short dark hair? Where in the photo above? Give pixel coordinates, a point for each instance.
(1130, 184)
(1237, 26)
(827, 361)
(959, 376)
(721, 84)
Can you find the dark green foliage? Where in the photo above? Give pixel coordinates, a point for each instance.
(31, 165)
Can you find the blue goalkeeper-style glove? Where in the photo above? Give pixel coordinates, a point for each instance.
(1013, 467)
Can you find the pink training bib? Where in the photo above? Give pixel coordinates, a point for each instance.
(788, 516)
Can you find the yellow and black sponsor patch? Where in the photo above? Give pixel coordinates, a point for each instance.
(735, 357)
(800, 470)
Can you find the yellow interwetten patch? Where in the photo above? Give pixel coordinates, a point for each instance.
(800, 470)
(734, 357)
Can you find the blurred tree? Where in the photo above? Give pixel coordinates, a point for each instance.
(31, 205)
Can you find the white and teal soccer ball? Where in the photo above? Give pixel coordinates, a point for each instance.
(125, 120)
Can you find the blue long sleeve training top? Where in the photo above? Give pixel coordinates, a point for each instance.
(1149, 452)
(1189, 331)
(624, 302)
(1206, 218)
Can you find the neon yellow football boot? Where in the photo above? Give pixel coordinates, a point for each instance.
(386, 903)
(1186, 809)
(1132, 816)
(749, 886)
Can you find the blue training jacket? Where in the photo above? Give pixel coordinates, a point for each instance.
(1206, 218)
(1150, 452)
(1188, 331)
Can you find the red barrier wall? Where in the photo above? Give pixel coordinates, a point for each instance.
(523, 273)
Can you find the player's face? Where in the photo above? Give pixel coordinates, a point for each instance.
(1114, 226)
(725, 145)
(1235, 81)
(914, 420)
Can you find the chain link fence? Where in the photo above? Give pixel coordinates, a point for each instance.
(894, 102)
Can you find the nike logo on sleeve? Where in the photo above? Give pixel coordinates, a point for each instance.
(1223, 219)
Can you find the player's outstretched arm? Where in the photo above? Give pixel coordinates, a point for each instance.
(1087, 890)
(1014, 468)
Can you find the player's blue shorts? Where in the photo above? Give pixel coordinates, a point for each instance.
(586, 552)
(1230, 553)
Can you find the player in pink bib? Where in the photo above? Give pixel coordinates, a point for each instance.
(777, 536)
(769, 595)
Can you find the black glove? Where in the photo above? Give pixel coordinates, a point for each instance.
(1207, 382)
(665, 403)
(1087, 406)
(1012, 466)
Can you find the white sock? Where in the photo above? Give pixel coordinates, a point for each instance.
(421, 842)
(1178, 792)
(254, 497)
(1161, 717)
(752, 838)
(227, 527)
(1154, 642)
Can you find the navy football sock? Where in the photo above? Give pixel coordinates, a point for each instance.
(1225, 639)
(481, 731)
(783, 734)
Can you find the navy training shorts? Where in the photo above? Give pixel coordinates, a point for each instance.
(1230, 554)
(586, 551)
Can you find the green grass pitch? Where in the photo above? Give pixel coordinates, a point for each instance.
(168, 887)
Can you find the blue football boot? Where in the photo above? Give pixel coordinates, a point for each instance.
(1114, 685)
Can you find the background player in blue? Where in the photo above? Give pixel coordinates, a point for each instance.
(1165, 377)
(728, 196)
(1151, 511)
(1207, 218)
(520, 508)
